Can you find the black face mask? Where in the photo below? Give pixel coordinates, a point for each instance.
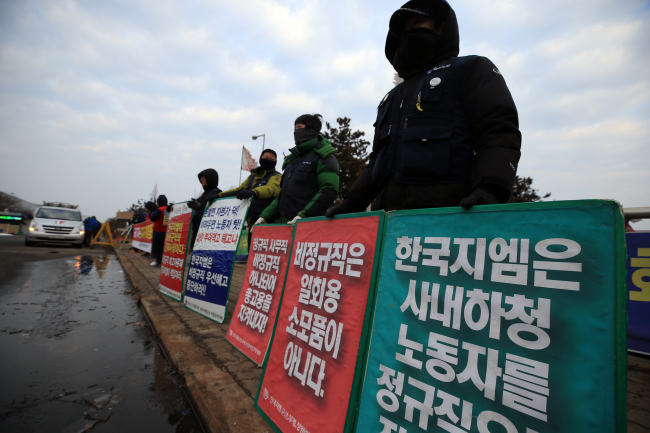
(303, 135)
(267, 164)
(416, 52)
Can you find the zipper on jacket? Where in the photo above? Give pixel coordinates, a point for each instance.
(401, 103)
(418, 104)
(389, 128)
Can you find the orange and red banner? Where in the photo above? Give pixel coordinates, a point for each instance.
(143, 236)
(313, 361)
(174, 253)
(252, 323)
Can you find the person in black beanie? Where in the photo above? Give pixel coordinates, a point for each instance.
(310, 182)
(446, 136)
(262, 186)
(209, 179)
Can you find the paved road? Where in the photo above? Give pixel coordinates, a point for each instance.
(75, 350)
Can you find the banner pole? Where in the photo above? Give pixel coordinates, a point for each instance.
(126, 234)
(240, 163)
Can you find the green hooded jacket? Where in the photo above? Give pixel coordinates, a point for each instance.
(327, 172)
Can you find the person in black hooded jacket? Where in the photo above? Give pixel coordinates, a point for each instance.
(160, 217)
(209, 179)
(449, 134)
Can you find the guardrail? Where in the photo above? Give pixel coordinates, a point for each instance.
(636, 213)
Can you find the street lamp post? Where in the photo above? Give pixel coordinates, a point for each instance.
(255, 137)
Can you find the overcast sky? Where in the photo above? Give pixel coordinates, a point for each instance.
(101, 100)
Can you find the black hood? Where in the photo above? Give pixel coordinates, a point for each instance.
(212, 178)
(447, 44)
(161, 200)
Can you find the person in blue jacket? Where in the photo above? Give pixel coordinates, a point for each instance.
(89, 225)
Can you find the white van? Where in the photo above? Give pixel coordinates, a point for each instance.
(56, 224)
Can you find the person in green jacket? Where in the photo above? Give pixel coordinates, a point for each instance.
(310, 182)
(263, 185)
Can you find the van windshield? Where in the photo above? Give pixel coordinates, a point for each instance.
(59, 214)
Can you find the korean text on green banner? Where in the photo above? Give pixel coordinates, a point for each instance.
(175, 251)
(242, 249)
(252, 323)
(313, 372)
(506, 318)
(213, 258)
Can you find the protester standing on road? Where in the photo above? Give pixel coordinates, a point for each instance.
(310, 181)
(209, 179)
(449, 134)
(96, 226)
(89, 225)
(160, 217)
(262, 186)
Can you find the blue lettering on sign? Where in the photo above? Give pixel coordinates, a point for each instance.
(638, 286)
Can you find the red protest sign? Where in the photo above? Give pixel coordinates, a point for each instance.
(173, 263)
(313, 361)
(257, 307)
(143, 236)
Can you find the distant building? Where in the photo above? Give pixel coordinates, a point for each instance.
(13, 222)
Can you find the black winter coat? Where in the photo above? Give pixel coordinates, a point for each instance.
(210, 191)
(493, 120)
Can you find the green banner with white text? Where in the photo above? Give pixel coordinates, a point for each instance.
(505, 318)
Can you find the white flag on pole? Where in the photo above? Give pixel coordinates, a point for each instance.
(247, 161)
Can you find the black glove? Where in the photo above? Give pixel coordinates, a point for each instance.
(211, 197)
(170, 207)
(360, 196)
(243, 195)
(194, 205)
(479, 196)
(340, 209)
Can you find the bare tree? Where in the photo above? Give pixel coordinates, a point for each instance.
(136, 207)
(13, 204)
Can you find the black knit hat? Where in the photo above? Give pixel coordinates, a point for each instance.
(270, 151)
(439, 10)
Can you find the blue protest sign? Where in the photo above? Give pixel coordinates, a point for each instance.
(213, 257)
(638, 286)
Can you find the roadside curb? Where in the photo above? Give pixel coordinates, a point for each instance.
(219, 381)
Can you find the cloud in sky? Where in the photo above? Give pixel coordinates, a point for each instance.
(99, 101)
